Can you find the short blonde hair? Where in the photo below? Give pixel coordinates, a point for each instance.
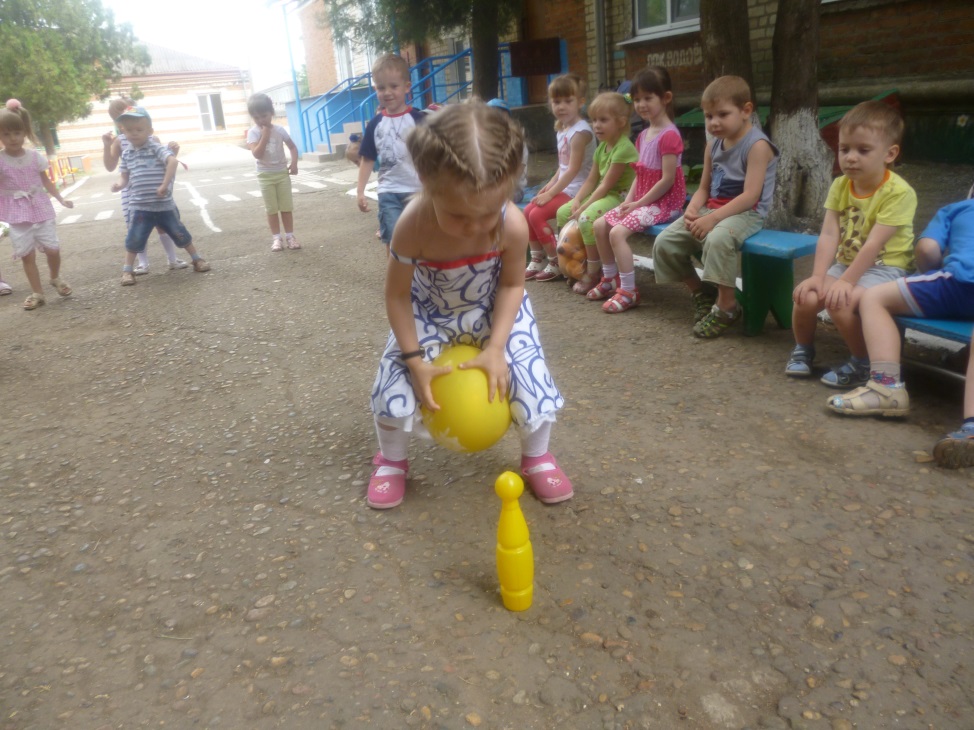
(391, 62)
(877, 116)
(566, 85)
(727, 88)
(611, 103)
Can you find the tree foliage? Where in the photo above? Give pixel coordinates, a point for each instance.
(386, 24)
(55, 55)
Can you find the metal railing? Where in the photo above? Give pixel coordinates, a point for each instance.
(435, 80)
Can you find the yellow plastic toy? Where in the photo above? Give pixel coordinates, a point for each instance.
(466, 421)
(515, 556)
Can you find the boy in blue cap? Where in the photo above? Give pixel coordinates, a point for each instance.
(148, 169)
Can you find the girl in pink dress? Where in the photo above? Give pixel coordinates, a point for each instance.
(657, 194)
(25, 202)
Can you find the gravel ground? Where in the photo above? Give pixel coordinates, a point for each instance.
(184, 540)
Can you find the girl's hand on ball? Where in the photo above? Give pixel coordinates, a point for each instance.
(494, 364)
(422, 374)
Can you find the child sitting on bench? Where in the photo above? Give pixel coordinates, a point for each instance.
(945, 290)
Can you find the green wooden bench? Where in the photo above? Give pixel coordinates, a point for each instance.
(767, 274)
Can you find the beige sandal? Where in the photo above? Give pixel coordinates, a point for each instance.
(33, 301)
(199, 266)
(62, 286)
(872, 399)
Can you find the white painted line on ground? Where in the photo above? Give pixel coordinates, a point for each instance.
(255, 193)
(314, 185)
(368, 193)
(104, 215)
(70, 219)
(229, 198)
(250, 174)
(227, 177)
(74, 186)
(200, 202)
(206, 179)
(96, 195)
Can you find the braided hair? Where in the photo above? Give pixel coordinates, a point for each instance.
(468, 143)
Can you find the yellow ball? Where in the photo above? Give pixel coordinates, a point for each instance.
(466, 421)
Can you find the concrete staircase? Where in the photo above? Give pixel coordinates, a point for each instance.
(339, 142)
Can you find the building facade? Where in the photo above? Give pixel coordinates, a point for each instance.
(191, 100)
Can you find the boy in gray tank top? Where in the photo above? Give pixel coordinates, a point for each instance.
(731, 203)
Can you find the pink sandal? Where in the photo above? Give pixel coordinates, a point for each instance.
(583, 285)
(621, 301)
(546, 479)
(388, 490)
(602, 290)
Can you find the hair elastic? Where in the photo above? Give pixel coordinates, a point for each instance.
(408, 355)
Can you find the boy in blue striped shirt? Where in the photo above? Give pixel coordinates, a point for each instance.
(148, 169)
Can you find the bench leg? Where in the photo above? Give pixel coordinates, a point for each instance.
(768, 285)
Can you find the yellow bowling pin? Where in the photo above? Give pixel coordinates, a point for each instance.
(515, 558)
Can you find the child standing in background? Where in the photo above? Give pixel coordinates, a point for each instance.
(736, 189)
(25, 202)
(575, 146)
(267, 141)
(610, 177)
(148, 170)
(385, 141)
(456, 276)
(114, 146)
(866, 240)
(657, 194)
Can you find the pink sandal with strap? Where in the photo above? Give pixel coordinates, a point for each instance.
(546, 479)
(602, 290)
(622, 300)
(388, 490)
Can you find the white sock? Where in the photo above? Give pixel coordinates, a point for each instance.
(393, 444)
(143, 259)
(535, 443)
(169, 245)
(609, 271)
(628, 281)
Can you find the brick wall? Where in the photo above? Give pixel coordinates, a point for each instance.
(319, 50)
(571, 20)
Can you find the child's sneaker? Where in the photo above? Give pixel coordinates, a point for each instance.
(128, 278)
(141, 270)
(388, 489)
(621, 301)
(849, 374)
(277, 245)
(716, 322)
(799, 365)
(956, 450)
(551, 273)
(546, 479)
(704, 300)
(200, 265)
(292, 242)
(178, 264)
(5, 288)
(603, 289)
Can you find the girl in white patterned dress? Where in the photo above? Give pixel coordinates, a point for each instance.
(25, 202)
(456, 277)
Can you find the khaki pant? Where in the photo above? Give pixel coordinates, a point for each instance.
(676, 247)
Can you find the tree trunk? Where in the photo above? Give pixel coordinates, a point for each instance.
(485, 35)
(725, 38)
(805, 165)
(47, 139)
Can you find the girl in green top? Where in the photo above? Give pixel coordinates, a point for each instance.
(608, 182)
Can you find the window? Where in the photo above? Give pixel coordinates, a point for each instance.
(211, 113)
(666, 17)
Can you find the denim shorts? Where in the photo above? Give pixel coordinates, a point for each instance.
(143, 221)
(875, 274)
(391, 206)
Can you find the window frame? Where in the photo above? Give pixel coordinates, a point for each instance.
(669, 28)
(211, 112)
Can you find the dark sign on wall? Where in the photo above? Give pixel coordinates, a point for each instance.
(540, 57)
